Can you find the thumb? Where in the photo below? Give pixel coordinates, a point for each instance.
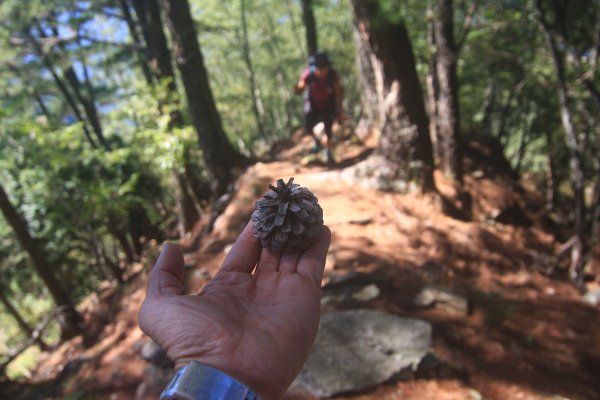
(166, 277)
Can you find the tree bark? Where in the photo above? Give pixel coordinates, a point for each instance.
(551, 176)
(102, 259)
(88, 105)
(310, 26)
(186, 206)
(71, 320)
(133, 31)
(448, 135)
(219, 155)
(157, 48)
(575, 163)
(257, 105)
(405, 143)
(159, 58)
(433, 87)
(274, 47)
(370, 80)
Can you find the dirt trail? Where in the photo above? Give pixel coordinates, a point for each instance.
(526, 335)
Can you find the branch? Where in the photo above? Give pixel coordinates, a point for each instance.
(467, 25)
(35, 335)
(49, 42)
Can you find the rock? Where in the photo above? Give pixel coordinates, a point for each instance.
(153, 353)
(438, 296)
(593, 297)
(367, 293)
(351, 289)
(360, 349)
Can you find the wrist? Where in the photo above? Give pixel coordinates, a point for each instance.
(198, 381)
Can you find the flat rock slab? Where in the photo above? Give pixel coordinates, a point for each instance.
(359, 349)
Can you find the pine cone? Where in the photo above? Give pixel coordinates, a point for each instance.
(288, 217)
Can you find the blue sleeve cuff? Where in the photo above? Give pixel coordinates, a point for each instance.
(197, 381)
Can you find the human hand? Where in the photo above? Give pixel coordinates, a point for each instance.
(255, 324)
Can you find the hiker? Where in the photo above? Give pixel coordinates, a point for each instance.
(249, 331)
(323, 98)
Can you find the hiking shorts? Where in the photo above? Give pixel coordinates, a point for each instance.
(313, 116)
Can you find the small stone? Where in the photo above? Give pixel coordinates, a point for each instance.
(437, 296)
(593, 297)
(367, 293)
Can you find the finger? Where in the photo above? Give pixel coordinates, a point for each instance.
(244, 253)
(166, 277)
(269, 261)
(312, 261)
(289, 262)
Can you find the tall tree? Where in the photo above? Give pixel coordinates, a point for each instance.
(219, 155)
(310, 26)
(447, 110)
(572, 144)
(159, 59)
(258, 108)
(69, 318)
(405, 145)
(133, 31)
(79, 89)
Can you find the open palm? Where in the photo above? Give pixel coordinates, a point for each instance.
(256, 320)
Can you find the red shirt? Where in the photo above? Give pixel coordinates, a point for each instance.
(321, 89)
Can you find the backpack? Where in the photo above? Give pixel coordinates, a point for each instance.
(330, 81)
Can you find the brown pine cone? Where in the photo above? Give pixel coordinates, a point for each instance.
(288, 217)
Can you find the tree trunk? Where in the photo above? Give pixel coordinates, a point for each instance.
(370, 80)
(157, 49)
(575, 163)
(141, 228)
(405, 144)
(448, 135)
(433, 87)
(27, 330)
(102, 258)
(71, 320)
(186, 206)
(257, 105)
(137, 42)
(310, 26)
(489, 105)
(219, 155)
(159, 57)
(117, 233)
(551, 178)
(88, 103)
(274, 47)
(296, 33)
(199, 187)
(62, 87)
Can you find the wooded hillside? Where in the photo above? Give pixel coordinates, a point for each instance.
(125, 123)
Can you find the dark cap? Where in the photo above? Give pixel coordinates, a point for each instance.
(322, 60)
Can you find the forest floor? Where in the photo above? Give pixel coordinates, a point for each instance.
(526, 335)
